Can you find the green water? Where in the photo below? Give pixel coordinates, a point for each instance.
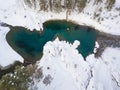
(29, 44)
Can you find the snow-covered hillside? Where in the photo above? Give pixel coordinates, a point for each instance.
(95, 15)
(62, 66)
(65, 68)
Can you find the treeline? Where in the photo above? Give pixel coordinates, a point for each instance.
(110, 4)
(21, 79)
(60, 5)
(57, 5)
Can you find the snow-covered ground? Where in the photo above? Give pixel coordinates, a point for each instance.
(63, 67)
(105, 70)
(15, 12)
(7, 54)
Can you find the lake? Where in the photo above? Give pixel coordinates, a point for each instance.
(29, 44)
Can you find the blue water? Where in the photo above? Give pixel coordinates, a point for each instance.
(29, 44)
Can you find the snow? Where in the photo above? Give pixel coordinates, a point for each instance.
(12, 12)
(67, 68)
(112, 58)
(76, 43)
(96, 47)
(7, 54)
(106, 74)
(69, 71)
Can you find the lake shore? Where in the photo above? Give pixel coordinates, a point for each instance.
(107, 40)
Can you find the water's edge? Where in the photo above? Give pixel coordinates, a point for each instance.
(104, 40)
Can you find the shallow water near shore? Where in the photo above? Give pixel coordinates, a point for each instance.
(29, 44)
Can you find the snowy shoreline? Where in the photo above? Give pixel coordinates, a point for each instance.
(67, 69)
(20, 13)
(7, 54)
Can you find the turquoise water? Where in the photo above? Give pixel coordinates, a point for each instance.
(29, 44)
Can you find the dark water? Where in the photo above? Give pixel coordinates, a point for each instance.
(29, 44)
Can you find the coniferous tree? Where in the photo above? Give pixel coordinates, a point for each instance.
(50, 5)
(20, 79)
(28, 3)
(110, 4)
(81, 4)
